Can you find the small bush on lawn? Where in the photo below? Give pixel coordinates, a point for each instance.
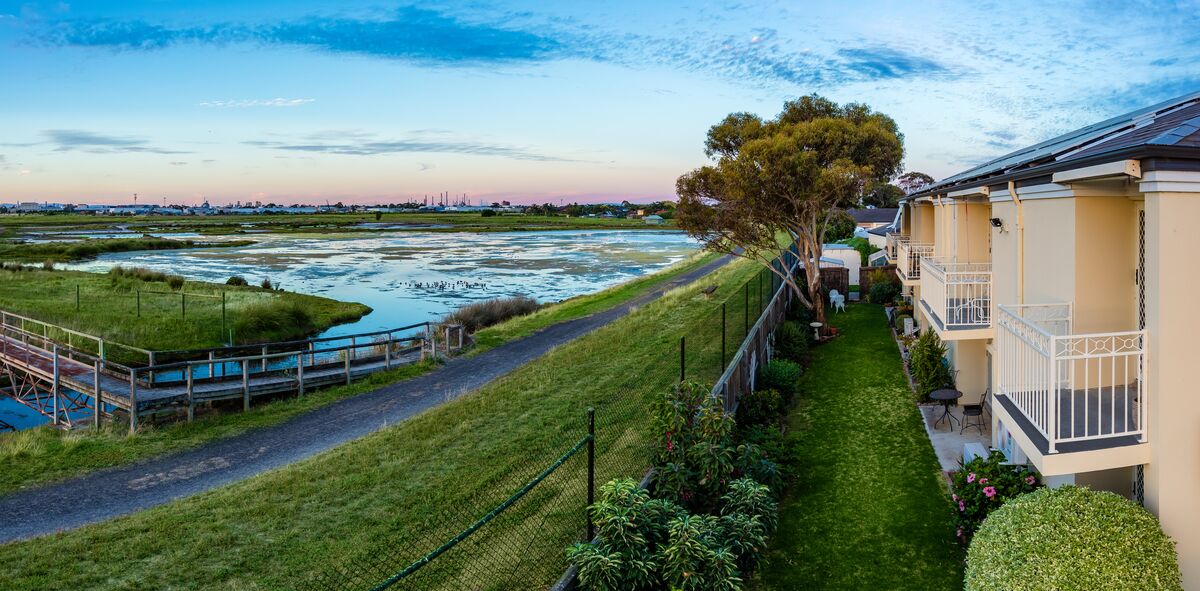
(982, 485)
(237, 281)
(884, 287)
(926, 361)
(480, 315)
(780, 375)
(696, 455)
(1071, 538)
(761, 407)
(791, 341)
(645, 543)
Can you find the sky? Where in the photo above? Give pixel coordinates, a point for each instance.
(375, 102)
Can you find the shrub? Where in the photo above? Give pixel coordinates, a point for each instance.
(982, 486)
(695, 453)
(1071, 538)
(488, 213)
(644, 543)
(884, 287)
(799, 313)
(142, 274)
(266, 284)
(760, 407)
(480, 315)
(899, 322)
(791, 341)
(927, 362)
(780, 375)
(237, 280)
(864, 247)
(264, 321)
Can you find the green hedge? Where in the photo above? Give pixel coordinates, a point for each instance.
(1071, 538)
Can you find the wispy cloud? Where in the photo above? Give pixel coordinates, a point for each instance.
(249, 103)
(77, 140)
(429, 37)
(361, 144)
(409, 33)
(177, 163)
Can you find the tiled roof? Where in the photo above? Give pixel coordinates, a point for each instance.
(877, 215)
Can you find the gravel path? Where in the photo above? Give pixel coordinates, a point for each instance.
(122, 490)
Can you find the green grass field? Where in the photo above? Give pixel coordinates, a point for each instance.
(104, 306)
(868, 509)
(415, 484)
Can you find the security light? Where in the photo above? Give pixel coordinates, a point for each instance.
(997, 223)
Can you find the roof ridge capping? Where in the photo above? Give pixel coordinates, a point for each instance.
(1079, 140)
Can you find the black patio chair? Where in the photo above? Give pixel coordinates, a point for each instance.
(973, 413)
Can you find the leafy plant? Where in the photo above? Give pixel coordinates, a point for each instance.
(864, 247)
(781, 375)
(760, 407)
(791, 341)
(237, 280)
(1072, 538)
(884, 287)
(899, 322)
(982, 485)
(644, 543)
(926, 361)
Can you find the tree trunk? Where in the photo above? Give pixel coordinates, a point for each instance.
(814, 290)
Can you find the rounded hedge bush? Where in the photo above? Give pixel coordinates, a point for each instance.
(1071, 538)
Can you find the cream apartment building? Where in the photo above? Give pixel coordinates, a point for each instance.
(1063, 279)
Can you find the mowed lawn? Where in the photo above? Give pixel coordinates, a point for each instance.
(868, 508)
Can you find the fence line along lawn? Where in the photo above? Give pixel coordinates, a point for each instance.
(868, 508)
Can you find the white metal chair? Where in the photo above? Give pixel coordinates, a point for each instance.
(837, 300)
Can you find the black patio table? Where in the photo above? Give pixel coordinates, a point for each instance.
(946, 396)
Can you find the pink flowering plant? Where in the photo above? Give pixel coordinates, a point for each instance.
(984, 485)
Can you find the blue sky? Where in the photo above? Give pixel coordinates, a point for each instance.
(532, 101)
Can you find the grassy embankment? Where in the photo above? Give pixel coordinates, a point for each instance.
(61, 252)
(13, 225)
(401, 486)
(108, 307)
(868, 509)
(43, 455)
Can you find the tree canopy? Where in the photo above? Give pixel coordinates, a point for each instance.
(913, 180)
(787, 177)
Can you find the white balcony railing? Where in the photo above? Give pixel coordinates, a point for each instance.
(892, 245)
(908, 258)
(1071, 387)
(958, 294)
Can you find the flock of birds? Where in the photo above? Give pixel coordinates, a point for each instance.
(446, 285)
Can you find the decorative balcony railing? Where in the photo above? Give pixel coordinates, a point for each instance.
(908, 259)
(958, 295)
(1071, 387)
(892, 245)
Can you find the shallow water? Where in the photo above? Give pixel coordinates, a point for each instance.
(410, 277)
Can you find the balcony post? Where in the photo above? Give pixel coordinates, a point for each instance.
(1052, 392)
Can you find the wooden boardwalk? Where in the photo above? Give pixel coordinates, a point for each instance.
(65, 383)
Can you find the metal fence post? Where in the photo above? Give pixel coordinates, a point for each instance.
(682, 357)
(591, 494)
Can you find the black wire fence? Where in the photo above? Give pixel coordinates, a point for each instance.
(515, 535)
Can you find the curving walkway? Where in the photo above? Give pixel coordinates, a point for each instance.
(122, 490)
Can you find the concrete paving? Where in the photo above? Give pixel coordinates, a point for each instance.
(948, 442)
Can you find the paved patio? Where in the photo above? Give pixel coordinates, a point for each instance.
(947, 442)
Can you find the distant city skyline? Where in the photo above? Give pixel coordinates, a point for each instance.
(531, 102)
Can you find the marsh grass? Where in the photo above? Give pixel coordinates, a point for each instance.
(478, 315)
(91, 248)
(107, 305)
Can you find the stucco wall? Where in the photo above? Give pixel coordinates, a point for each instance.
(1105, 260)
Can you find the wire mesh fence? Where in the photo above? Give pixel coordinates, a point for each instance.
(515, 534)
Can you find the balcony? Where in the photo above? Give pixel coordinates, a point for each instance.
(908, 260)
(1070, 392)
(892, 245)
(957, 297)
